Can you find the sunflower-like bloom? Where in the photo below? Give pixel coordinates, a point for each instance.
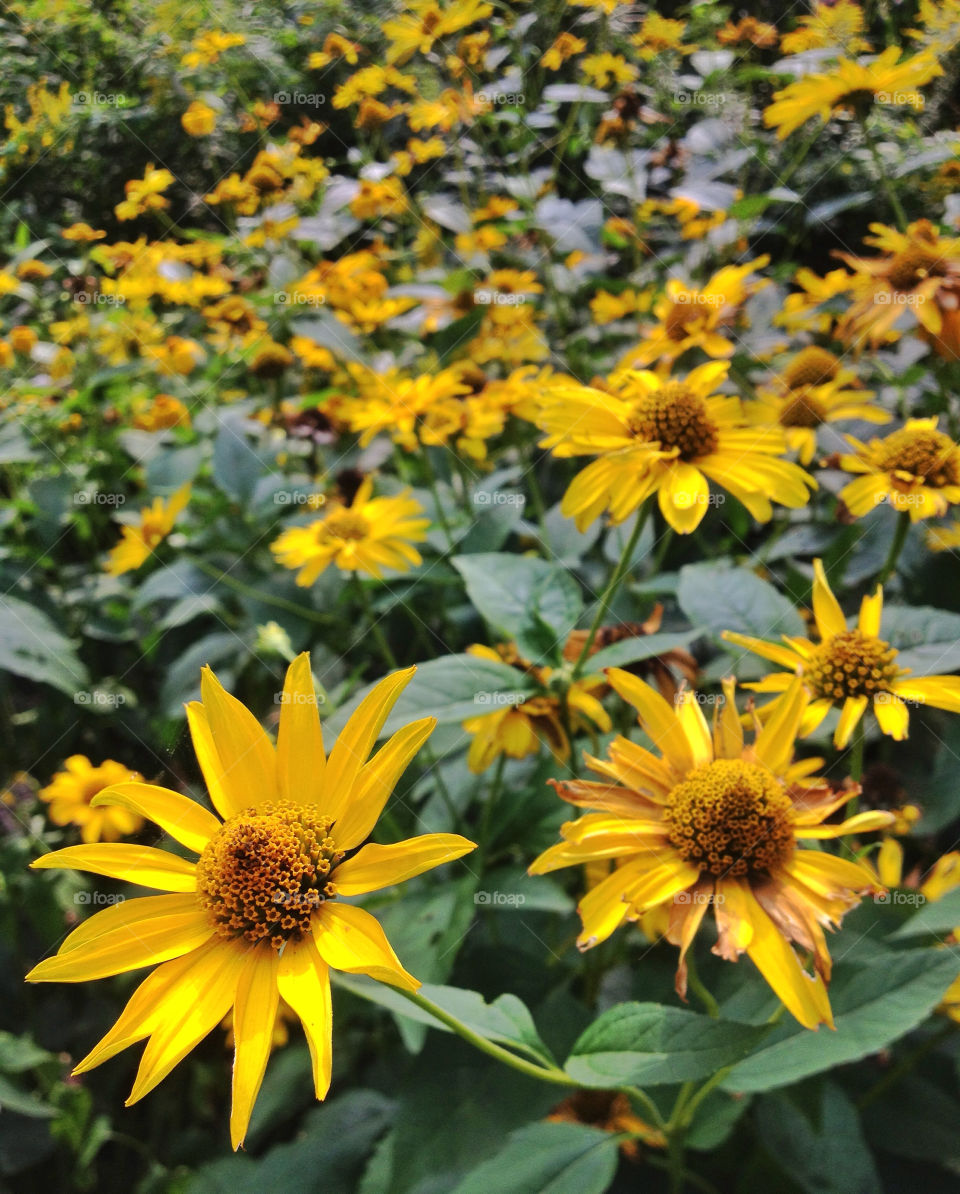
(851, 86)
(812, 390)
(423, 22)
(367, 536)
(916, 469)
(70, 792)
(916, 273)
(140, 540)
(715, 821)
(259, 915)
(517, 729)
(849, 668)
(690, 318)
(669, 438)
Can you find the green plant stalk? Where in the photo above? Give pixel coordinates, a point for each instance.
(896, 547)
(885, 181)
(246, 590)
(695, 983)
(432, 486)
(375, 628)
(614, 583)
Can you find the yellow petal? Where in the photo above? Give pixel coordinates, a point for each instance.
(377, 779)
(356, 739)
(190, 823)
(826, 609)
(775, 652)
(892, 715)
(871, 613)
(304, 982)
(300, 759)
(853, 709)
(134, 864)
(203, 996)
(695, 727)
(890, 862)
(138, 933)
(683, 497)
(727, 726)
(867, 822)
(254, 1015)
(246, 754)
(775, 743)
(603, 909)
(656, 716)
(228, 796)
(376, 866)
(350, 939)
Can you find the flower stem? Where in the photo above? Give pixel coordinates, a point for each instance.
(610, 591)
(899, 538)
(695, 983)
(374, 625)
(885, 181)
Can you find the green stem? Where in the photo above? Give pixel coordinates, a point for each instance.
(885, 181)
(432, 485)
(374, 625)
(610, 591)
(893, 555)
(238, 586)
(663, 547)
(486, 819)
(695, 983)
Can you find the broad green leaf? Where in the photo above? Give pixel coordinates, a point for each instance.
(936, 917)
(872, 1005)
(32, 645)
(238, 464)
(548, 1158)
(928, 639)
(647, 1044)
(718, 597)
(644, 646)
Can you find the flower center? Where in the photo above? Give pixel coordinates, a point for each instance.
(909, 268)
(851, 664)
(803, 410)
(679, 318)
(923, 453)
(675, 417)
(266, 872)
(810, 367)
(345, 524)
(731, 819)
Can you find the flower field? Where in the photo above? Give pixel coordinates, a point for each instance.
(480, 617)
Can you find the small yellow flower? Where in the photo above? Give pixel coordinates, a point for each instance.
(140, 541)
(71, 790)
(832, 24)
(257, 917)
(145, 194)
(199, 120)
(163, 412)
(368, 536)
(915, 469)
(849, 668)
(565, 46)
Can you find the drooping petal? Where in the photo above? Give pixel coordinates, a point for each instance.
(120, 860)
(775, 652)
(942, 692)
(866, 822)
(190, 823)
(853, 709)
(603, 909)
(892, 715)
(350, 939)
(254, 1015)
(304, 982)
(300, 759)
(375, 866)
(246, 753)
(826, 608)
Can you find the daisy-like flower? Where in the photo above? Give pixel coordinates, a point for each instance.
(140, 540)
(813, 389)
(832, 24)
(916, 469)
(669, 438)
(715, 821)
(517, 730)
(691, 318)
(259, 915)
(71, 791)
(916, 273)
(852, 86)
(849, 667)
(367, 536)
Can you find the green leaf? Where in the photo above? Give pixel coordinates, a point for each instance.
(237, 464)
(12, 1098)
(31, 645)
(533, 602)
(873, 1006)
(718, 597)
(928, 639)
(548, 1158)
(935, 917)
(826, 1155)
(644, 646)
(647, 1044)
(450, 689)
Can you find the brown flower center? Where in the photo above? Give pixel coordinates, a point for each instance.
(851, 664)
(923, 452)
(731, 818)
(675, 417)
(909, 268)
(803, 410)
(345, 524)
(263, 876)
(810, 367)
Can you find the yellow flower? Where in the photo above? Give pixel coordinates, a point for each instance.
(367, 536)
(398, 405)
(335, 46)
(800, 310)
(163, 412)
(199, 120)
(139, 541)
(848, 668)
(145, 194)
(71, 790)
(697, 318)
(833, 23)
(669, 438)
(810, 392)
(944, 538)
(916, 469)
(423, 22)
(517, 729)
(604, 70)
(851, 86)
(939, 22)
(658, 35)
(259, 915)
(748, 29)
(714, 821)
(565, 46)
(375, 199)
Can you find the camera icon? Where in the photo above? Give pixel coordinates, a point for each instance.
(82, 897)
(481, 897)
(282, 97)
